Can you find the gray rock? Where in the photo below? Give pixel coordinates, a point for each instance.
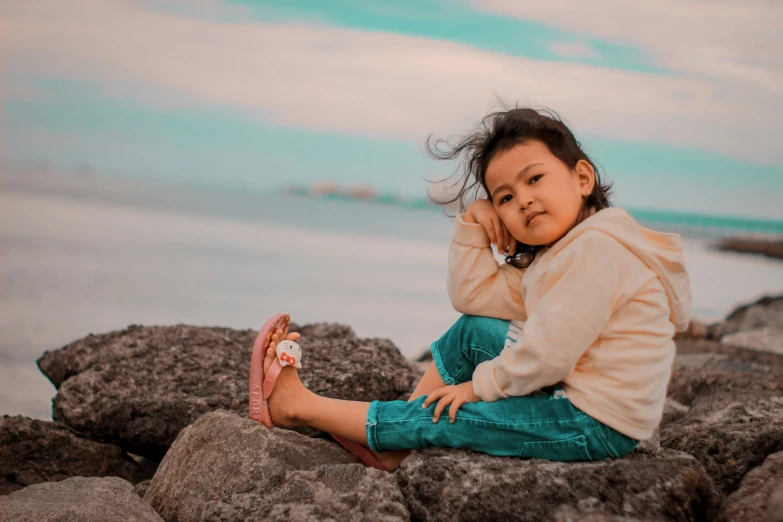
(569, 514)
(775, 505)
(700, 374)
(324, 331)
(34, 451)
(751, 502)
(767, 339)
(672, 411)
(138, 387)
(464, 486)
(142, 487)
(78, 499)
(729, 434)
(766, 312)
(223, 467)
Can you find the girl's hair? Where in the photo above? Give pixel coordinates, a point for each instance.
(500, 131)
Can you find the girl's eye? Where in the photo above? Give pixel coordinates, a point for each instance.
(505, 199)
(535, 178)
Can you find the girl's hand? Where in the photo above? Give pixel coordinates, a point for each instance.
(483, 212)
(455, 396)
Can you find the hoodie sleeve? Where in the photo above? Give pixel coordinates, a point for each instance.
(477, 284)
(582, 288)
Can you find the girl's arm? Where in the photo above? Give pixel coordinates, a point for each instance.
(585, 286)
(477, 284)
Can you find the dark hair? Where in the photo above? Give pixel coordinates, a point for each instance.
(500, 131)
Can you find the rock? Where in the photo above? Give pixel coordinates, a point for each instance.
(324, 331)
(729, 434)
(142, 487)
(462, 485)
(672, 411)
(224, 467)
(751, 502)
(701, 374)
(139, 386)
(775, 505)
(766, 339)
(768, 248)
(34, 451)
(569, 514)
(766, 312)
(425, 356)
(78, 499)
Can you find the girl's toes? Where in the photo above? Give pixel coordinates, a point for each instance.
(294, 336)
(269, 357)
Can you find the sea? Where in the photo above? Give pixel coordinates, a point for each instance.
(83, 254)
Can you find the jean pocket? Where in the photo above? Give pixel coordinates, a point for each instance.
(567, 450)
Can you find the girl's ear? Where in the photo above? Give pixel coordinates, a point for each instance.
(585, 174)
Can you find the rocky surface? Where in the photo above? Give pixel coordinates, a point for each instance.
(758, 326)
(755, 500)
(35, 451)
(768, 248)
(729, 434)
(139, 387)
(703, 368)
(223, 467)
(78, 499)
(714, 456)
(465, 486)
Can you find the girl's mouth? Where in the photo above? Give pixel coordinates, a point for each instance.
(532, 217)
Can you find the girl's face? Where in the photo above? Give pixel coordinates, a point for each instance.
(537, 197)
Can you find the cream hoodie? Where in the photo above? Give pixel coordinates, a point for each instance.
(598, 311)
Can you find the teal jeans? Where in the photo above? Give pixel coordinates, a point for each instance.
(544, 425)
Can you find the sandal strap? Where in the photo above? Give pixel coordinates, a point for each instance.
(270, 378)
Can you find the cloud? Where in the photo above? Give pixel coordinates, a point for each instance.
(371, 83)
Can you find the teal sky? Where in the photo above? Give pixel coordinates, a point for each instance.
(267, 94)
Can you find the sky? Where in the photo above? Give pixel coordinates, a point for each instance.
(681, 103)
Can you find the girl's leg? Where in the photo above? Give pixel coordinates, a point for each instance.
(291, 404)
(430, 382)
(470, 341)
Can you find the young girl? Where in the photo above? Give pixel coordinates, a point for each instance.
(564, 352)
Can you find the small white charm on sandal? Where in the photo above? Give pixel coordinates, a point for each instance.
(290, 354)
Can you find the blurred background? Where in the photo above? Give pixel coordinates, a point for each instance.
(214, 162)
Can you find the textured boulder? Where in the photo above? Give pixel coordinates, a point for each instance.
(324, 331)
(672, 411)
(34, 451)
(78, 499)
(752, 501)
(224, 467)
(766, 312)
(729, 433)
(465, 486)
(775, 505)
(138, 387)
(705, 373)
(758, 326)
(766, 338)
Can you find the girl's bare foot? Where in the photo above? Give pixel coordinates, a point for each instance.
(392, 459)
(285, 403)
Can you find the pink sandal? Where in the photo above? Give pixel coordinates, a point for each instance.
(261, 385)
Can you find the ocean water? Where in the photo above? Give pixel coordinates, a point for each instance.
(92, 255)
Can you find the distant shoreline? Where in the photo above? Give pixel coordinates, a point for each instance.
(709, 227)
(767, 248)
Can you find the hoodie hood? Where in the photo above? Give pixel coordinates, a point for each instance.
(661, 252)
